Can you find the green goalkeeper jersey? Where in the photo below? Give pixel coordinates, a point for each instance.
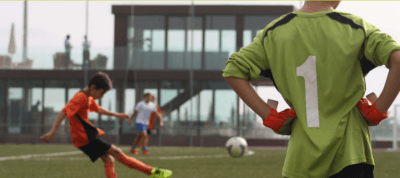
(318, 61)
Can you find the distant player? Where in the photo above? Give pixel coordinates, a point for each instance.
(152, 119)
(144, 109)
(85, 135)
(317, 58)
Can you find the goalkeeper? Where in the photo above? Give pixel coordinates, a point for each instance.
(317, 58)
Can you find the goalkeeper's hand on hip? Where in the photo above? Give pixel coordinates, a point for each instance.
(370, 112)
(275, 120)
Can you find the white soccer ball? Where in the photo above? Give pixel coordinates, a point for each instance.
(236, 146)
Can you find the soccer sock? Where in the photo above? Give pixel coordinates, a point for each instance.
(133, 147)
(109, 169)
(144, 149)
(135, 164)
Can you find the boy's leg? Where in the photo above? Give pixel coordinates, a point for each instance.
(138, 165)
(129, 161)
(356, 171)
(109, 166)
(145, 140)
(135, 145)
(137, 139)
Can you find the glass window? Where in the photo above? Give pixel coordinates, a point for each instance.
(253, 25)
(109, 102)
(53, 104)
(225, 107)
(2, 107)
(130, 98)
(185, 39)
(15, 110)
(24, 105)
(146, 42)
(220, 41)
(36, 109)
(218, 108)
(169, 91)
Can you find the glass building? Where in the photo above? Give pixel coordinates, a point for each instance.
(174, 52)
(157, 49)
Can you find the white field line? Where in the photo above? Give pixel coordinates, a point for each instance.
(43, 156)
(39, 155)
(191, 157)
(142, 158)
(46, 157)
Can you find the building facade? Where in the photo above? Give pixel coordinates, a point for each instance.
(157, 49)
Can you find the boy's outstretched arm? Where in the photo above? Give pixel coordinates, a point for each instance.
(247, 93)
(392, 85)
(110, 113)
(48, 136)
(160, 116)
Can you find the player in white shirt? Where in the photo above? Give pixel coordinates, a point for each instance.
(143, 110)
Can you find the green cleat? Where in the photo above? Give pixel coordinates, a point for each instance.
(160, 173)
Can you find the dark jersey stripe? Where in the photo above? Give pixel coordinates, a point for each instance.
(345, 20)
(366, 65)
(91, 132)
(283, 21)
(267, 73)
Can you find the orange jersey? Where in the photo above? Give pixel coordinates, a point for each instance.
(82, 131)
(153, 118)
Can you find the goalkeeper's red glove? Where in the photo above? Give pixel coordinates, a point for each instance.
(276, 120)
(370, 112)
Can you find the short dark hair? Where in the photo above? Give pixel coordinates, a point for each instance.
(67, 36)
(146, 94)
(101, 80)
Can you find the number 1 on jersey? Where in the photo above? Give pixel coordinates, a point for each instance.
(308, 70)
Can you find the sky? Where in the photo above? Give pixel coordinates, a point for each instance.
(50, 21)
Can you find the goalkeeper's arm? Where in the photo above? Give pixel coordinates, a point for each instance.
(392, 86)
(271, 118)
(247, 93)
(376, 112)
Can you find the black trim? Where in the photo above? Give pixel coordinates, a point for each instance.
(91, 132)
(283, 21)
(268, 73)
(345, 20)
(366, 66)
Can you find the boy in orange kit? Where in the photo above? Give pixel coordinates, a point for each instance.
(152, 119)
(85, 135)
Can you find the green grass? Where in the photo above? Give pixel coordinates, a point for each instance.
(214, 164)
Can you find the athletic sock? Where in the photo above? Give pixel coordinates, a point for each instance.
(135, 164)
(133, 147)
(144, 149)
(109, 169)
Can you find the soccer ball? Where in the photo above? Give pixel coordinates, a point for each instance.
(236, 146)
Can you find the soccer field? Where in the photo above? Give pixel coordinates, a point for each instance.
(64, 161)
